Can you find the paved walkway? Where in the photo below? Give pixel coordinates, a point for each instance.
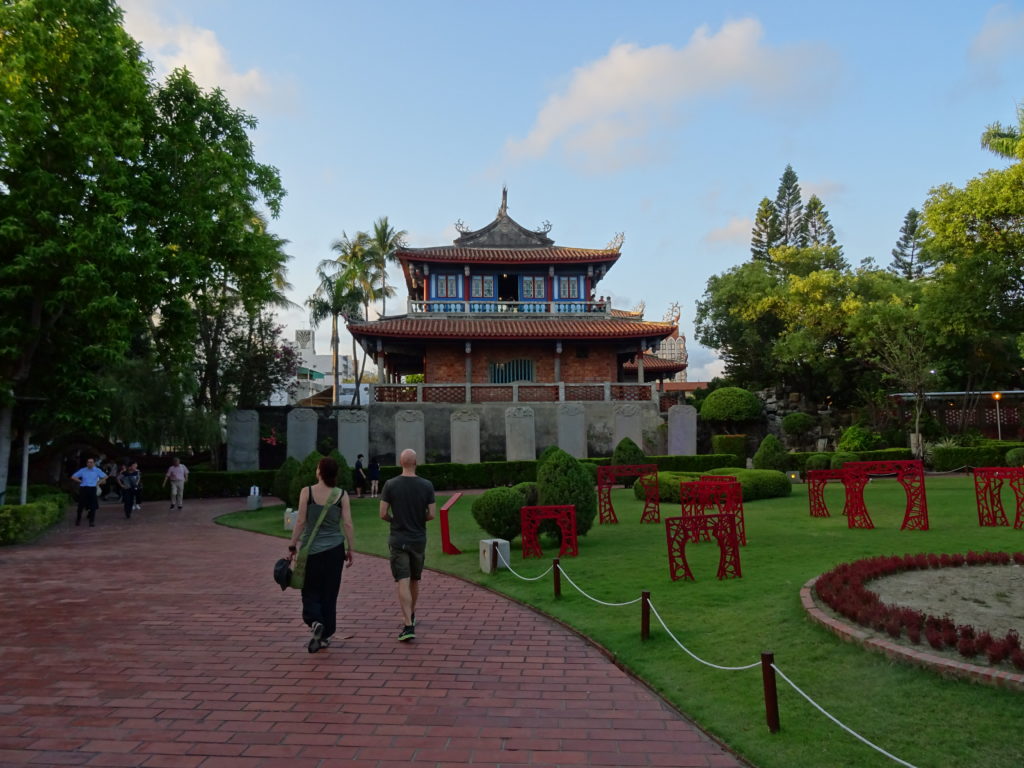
(163, 642)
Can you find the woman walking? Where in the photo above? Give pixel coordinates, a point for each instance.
(327, 553)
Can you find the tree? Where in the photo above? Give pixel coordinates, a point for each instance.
(906, 256)
(788, 208)
(765, 234)
(815, 228)
(1006, 141)
(357, 270)
(258, 364)
(384, 243)
(76, 268)
(334, 298)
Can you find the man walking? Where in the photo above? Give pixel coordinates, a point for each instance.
(89, 478)
(177, 473)
(407, 502)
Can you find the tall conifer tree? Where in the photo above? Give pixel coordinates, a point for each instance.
(789, 208)
(906, 256)
(815, 228)
(765, 234)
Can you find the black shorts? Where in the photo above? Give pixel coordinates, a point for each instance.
(407, 560)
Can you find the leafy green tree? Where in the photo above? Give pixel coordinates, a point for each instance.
(332, 299)
(1006, 141)
(76, 266)
(765, 234)
(907, 258)
(788, 208)
(731, 405)
(497, 511)
(815, 228)
(771, 455)
(258, 363)
(357, 269)
(384, 243)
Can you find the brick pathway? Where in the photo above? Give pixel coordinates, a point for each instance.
(163, 642)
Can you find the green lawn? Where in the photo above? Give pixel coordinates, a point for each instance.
(915, 714)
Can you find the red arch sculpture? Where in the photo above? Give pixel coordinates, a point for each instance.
(988, 485)
(816, 481)
(910, 475)
(564, 515)
(721, 492)
(607, 477)
(722, 525)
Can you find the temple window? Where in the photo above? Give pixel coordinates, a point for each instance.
(533, 287)
(511, 372)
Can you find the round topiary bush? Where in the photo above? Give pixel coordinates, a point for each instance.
(497, 512)
(818, 461)
(1015, 457)
(627, 453)
(281, 487)
(771, 455)
(731, 404)
(798, 424)
(841, 457)
(528, 491)
(563, 480)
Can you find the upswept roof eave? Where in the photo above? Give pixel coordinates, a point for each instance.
(448, 329)
(544, 255)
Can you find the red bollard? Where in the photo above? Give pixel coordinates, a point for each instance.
(771, 696)
(557, 573)
(645, 615)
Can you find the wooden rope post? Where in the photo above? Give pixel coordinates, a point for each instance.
(645, 615)
(494, 556)
(771, 696)
(556, 572)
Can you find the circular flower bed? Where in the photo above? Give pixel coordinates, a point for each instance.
(843, 590)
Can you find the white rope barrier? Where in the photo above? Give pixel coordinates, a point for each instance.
(524, 578)
(695, 656)
(602, 602)
(850, 731)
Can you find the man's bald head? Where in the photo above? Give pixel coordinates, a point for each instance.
(407, 459)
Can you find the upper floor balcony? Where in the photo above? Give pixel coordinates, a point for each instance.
(577, 307)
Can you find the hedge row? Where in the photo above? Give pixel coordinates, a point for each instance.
(20, 523)
(756, 483)
(798, 461)
(947, 459)
(205, 484)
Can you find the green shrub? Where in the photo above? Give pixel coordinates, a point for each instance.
(734, 444)
(563, 480)
(21, 523)
(949, 458)
(529, 493)
(591, 468)
(304, 476)
(283, 479)
(857, 438)
(886, 454)
(798, 424)
(700, 463)
(345, 477)
(758, 483)
(841, 457)
(546, 454)
(1015, 457)
(818, 461)
(210, 485)
(731, 405)
(771, 455)
(497, 512)
(627, 453)
(668, 486)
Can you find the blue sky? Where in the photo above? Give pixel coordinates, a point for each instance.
(667, 121)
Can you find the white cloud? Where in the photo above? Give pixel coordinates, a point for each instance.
(999, 38)
(827, 190)
(170, 44)
(609, 113)
(706, 371)
(735, 232)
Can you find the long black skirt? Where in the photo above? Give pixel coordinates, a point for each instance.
(322, 585)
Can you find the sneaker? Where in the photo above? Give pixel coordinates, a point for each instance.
(318, 630)
(324, 643)
(407, 633)
(172, 506)
(137, 508)
(179, 506)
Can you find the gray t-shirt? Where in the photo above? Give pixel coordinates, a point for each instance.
(329, 536)
(409, 497)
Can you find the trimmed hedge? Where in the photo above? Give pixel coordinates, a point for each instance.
(756, 483)
(734, 444)
(771, 455)
(21, 523)
(497, 511)
(947, 459)
(839, 458)
(1015, 457)
(627, 452)
(731, 404)
(205, 485)
(562, 480)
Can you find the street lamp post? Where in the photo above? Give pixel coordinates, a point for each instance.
(997, 396)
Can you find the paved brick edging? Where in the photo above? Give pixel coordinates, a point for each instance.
(856, 634)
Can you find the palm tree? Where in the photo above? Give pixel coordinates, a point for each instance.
(383, 245)
(357, 269)
(1006, 141)
(333, 298)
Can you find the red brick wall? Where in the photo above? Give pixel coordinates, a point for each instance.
(446, 362)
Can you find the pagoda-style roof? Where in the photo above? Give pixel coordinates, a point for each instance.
(656, 366)
(511, 329)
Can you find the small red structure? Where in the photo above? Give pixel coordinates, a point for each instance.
(607, 476)
(988, 486)
(564, 515)
(721, 492)
(679, 530)
(910, 475)
(816, 481)
(446, 538)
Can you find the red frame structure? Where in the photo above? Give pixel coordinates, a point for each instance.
(816, 481)
(607, 477)
(446, 537)
(722, 525)
(988, 486)
(910, 475)
(564, 515)
(721, 492)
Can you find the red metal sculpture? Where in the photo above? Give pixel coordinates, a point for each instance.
(988, 486)
(725, 493)
(446, 538)
(816, 481)
(564, 515)
(607, 476)
(910, 475)
(695, 502)
(679, 530)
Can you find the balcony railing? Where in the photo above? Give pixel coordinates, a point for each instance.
(490, 307)
(513, 393)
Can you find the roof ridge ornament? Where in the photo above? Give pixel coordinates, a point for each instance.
(544, 228)
(460, 226)
(616, 242)
(503, 210)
